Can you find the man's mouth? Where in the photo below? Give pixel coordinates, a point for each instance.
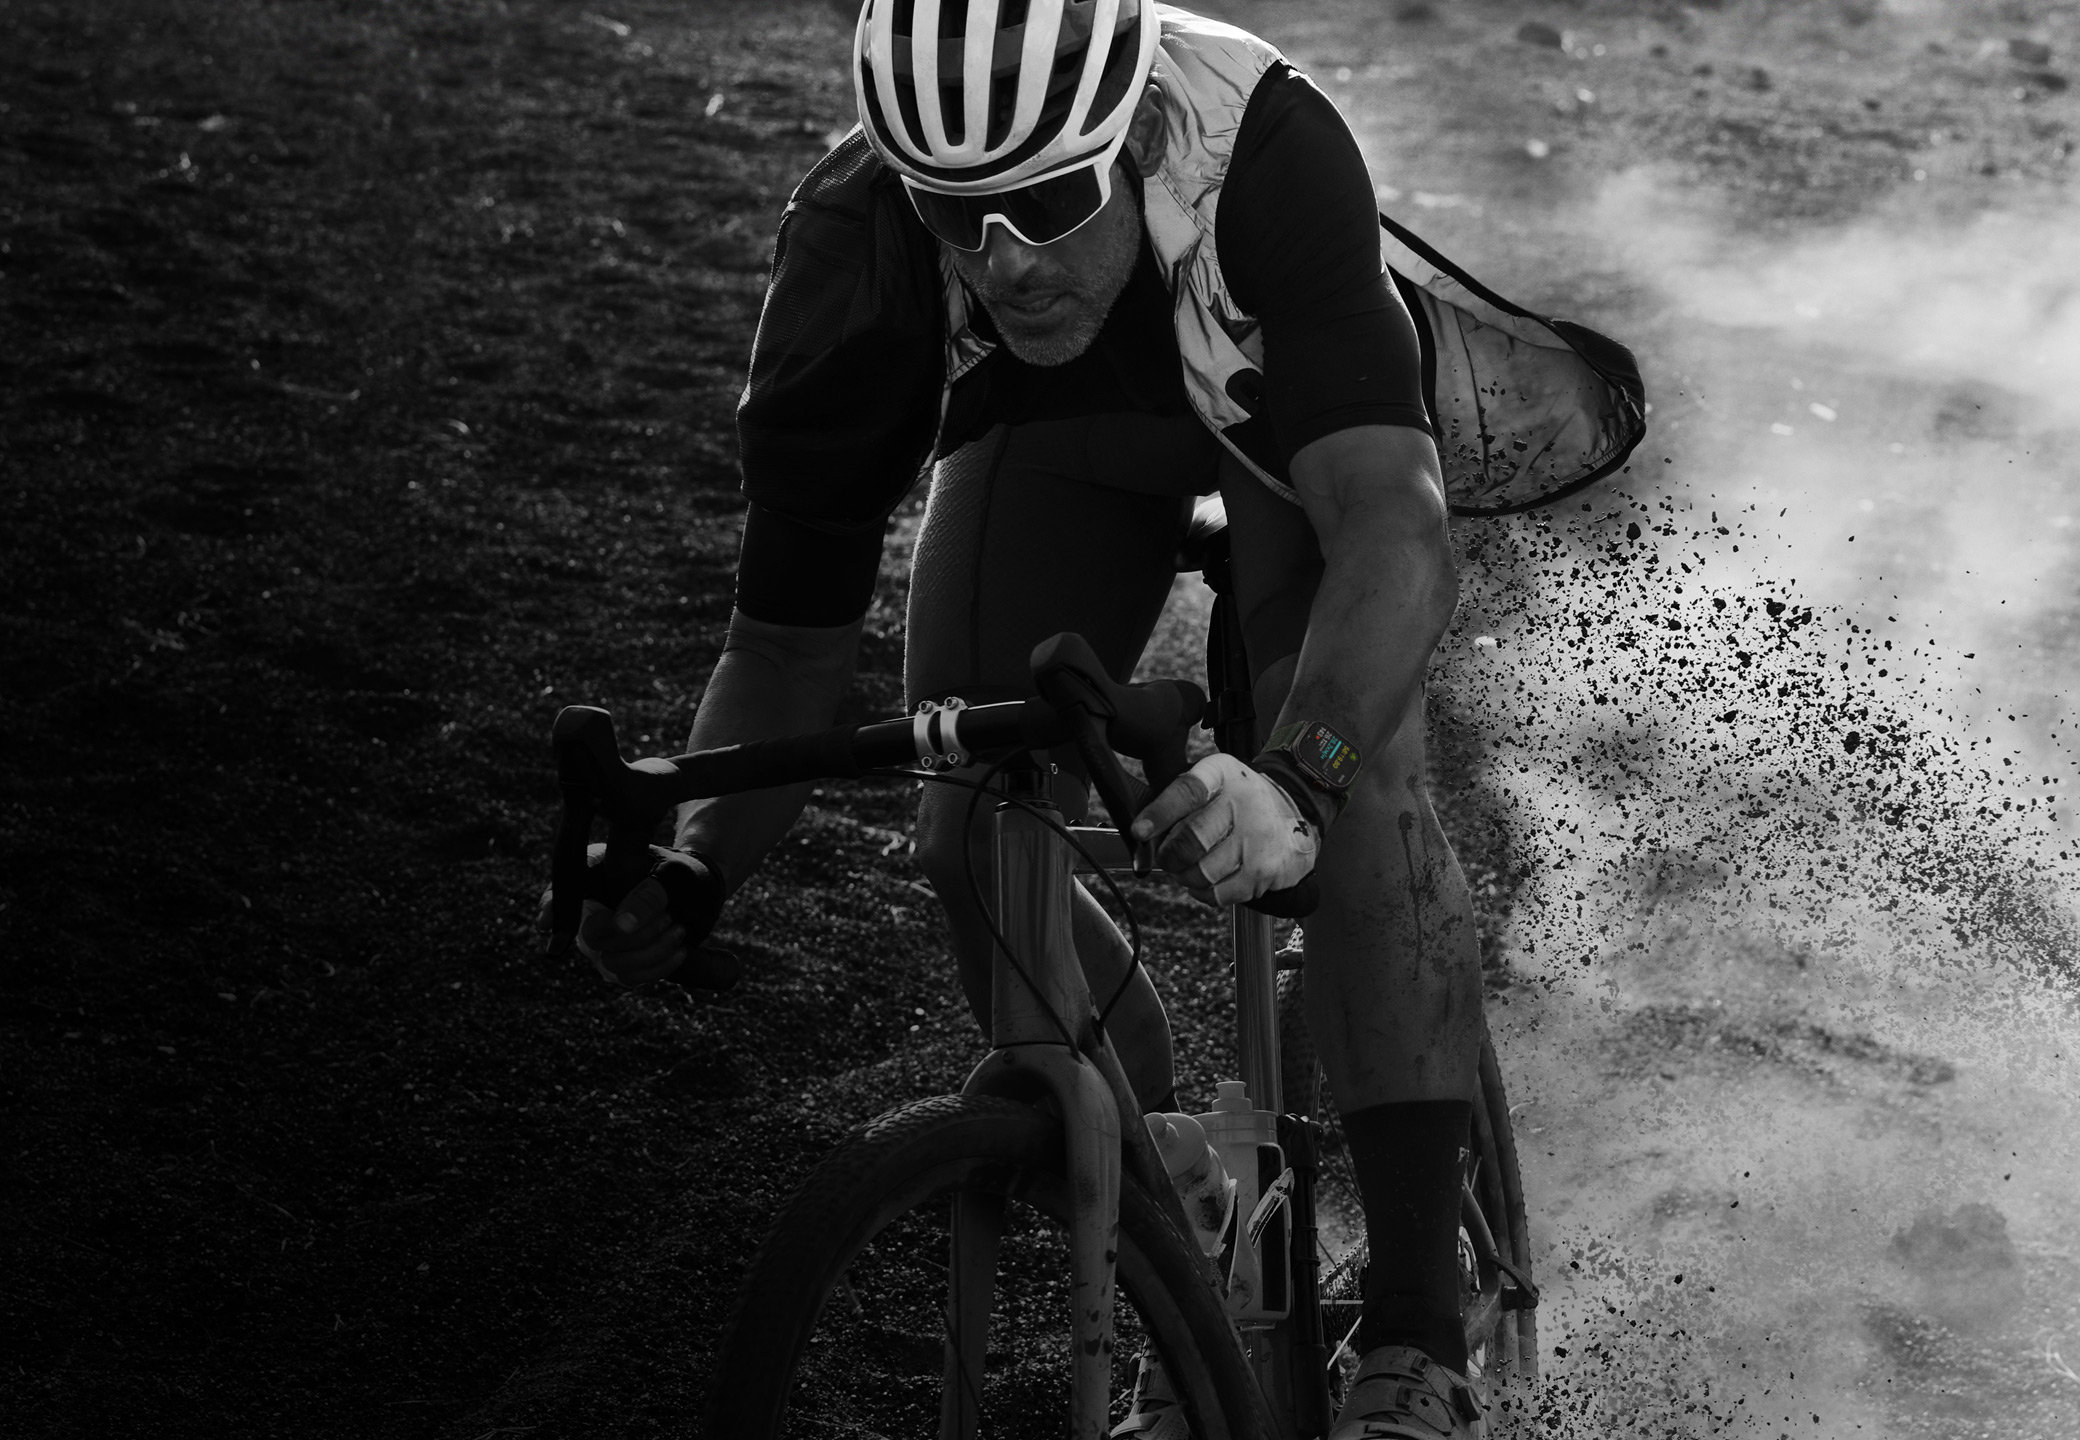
(1034, 307)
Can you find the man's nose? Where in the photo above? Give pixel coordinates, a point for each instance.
(1006, 257)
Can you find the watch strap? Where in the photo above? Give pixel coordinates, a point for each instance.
(1314, 803)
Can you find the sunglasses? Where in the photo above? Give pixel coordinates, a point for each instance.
(1037, 214)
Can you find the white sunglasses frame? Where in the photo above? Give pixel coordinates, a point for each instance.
(1101, 161)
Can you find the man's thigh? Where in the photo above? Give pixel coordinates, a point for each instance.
(1036, 529)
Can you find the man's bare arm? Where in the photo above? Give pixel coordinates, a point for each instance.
(771, 680)
(1374, 495)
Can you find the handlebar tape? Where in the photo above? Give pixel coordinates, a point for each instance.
(567, 866)
(639, 794)
(634, 799)
(1148, 722)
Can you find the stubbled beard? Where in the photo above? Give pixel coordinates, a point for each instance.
(1060, 345)
(1062, 342)
(1093, 283)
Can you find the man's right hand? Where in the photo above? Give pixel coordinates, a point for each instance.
(1229, 832)
(656, 929)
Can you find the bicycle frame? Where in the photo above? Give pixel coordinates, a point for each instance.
(1048, 1046)
(1081, 1077)
(1030, 1060)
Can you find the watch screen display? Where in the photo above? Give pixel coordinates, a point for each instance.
(1324, 754)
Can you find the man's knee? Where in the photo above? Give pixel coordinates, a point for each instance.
(1389, 848)
(1393, 822)
(1387, 870)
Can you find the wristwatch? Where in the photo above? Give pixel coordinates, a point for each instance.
(1314, 765)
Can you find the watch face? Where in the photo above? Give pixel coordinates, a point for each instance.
(1324, 754)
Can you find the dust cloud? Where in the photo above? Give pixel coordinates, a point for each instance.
(1779, 724)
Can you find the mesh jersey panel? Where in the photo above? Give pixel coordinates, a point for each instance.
(853, 326)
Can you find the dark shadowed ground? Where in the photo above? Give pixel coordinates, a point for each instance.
(365, 384)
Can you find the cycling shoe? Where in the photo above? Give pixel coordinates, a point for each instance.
(1400, 1393)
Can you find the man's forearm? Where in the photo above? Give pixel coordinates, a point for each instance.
(771, 680)
(1388, 585)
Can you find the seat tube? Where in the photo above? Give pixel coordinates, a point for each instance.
(1256, 1009)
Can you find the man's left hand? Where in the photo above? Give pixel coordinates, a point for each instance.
(1229, 832)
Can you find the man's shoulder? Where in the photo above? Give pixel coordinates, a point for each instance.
(851, 179)
(848, 218)
(1183, 27)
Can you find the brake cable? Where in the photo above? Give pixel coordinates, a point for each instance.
(981, 788)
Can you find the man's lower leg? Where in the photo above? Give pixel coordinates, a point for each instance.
(1410, 1160)
(1394, 1007)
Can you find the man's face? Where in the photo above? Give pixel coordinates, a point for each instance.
(1049, 301)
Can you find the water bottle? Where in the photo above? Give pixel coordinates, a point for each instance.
(1195, 1169)
(1257, 1261)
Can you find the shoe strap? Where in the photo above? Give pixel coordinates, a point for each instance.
(1410, 1374)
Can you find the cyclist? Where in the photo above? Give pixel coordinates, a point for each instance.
(1093, 259)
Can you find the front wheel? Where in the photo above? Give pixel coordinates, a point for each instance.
(843, 1328)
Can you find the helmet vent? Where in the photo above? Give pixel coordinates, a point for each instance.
(1078, 91)
(1003, 106)
(906, 107)
(1120, 70)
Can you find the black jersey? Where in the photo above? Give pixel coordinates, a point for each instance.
(843, 407)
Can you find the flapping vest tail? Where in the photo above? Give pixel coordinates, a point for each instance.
(1527, 410)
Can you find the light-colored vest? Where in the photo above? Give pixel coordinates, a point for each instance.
(1522, 415)
(1205, 71)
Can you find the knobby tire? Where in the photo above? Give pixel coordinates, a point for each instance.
(877, 1183)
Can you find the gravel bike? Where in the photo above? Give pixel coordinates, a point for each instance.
(995, 1262)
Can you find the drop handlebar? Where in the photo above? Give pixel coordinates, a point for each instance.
(1079, 705)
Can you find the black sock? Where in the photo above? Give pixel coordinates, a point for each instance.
(1410, 1160)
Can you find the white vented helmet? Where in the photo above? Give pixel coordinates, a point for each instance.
(973, 97)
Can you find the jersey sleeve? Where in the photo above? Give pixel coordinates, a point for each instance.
(1299, 242)
(793, 573)
(842, 401)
